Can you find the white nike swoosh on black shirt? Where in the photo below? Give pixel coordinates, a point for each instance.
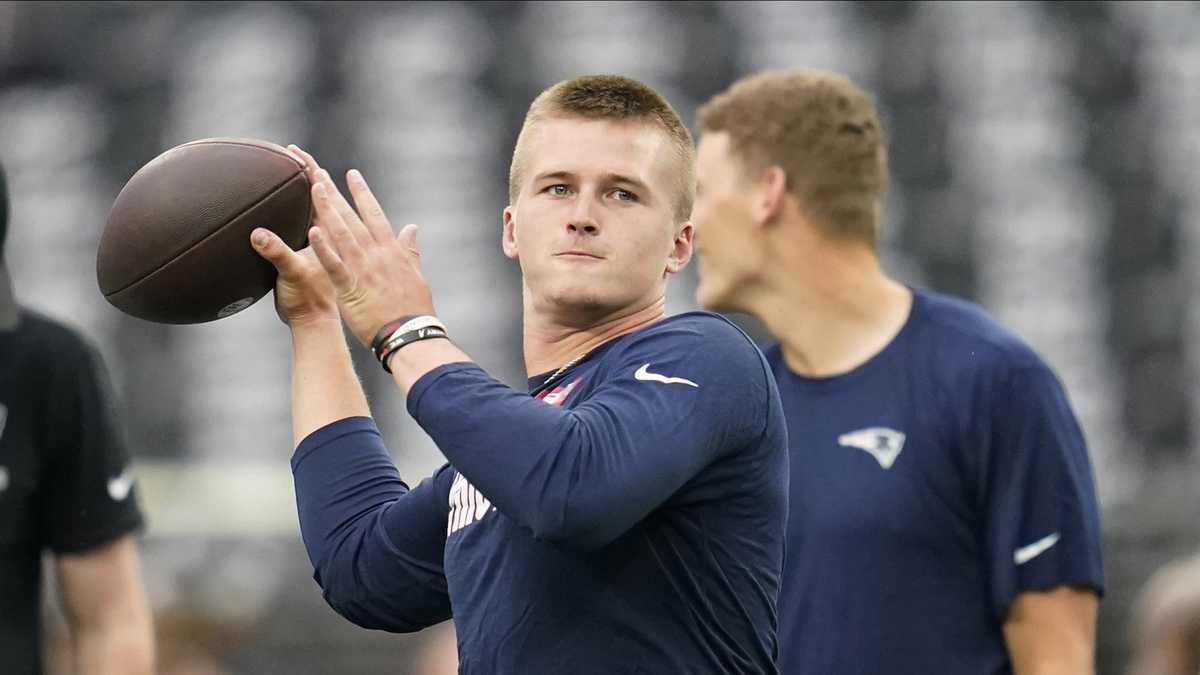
(120, 485)
(645, 375)
(1027, 553)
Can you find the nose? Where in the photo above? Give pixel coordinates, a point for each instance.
(582, 219)
(587, 226)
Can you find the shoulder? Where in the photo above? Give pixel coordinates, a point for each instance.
(52, 347)
(698, 346)
(703, 331)
(961, 332)
(37, 332)
(773, 354)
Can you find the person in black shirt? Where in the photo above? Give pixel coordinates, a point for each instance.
(66, 486)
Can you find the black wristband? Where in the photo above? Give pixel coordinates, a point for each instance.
(388, 328)
(393, 345)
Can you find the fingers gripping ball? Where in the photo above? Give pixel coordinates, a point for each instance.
(176, 247)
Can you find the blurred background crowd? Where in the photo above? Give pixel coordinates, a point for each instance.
(1045, 158)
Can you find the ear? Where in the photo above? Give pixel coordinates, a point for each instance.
(770, 195)
(508, 240)
(681, 249)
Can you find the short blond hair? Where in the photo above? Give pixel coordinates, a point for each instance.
(824, 132)
(611, 97)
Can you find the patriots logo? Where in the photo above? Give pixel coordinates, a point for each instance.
(884, 444)
(559, 394)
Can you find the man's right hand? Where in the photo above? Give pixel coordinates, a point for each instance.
(303, 291)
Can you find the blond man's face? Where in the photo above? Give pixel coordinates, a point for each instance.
(730, 246)
(593, 227)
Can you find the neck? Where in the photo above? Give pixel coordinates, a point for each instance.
(551, 341)
(830, 306)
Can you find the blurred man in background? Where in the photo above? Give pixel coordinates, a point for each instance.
(1166, 635)
(66, 486)
(943, 517)
(626, 514)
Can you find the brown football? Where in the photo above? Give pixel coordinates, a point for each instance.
(176, 247)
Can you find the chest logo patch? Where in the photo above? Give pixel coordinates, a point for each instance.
(882, 443)
(467, 505)
(557, 396)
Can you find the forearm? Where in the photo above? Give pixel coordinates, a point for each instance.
(107, 612)
(325, 387)
(414, 360)
(120, 644)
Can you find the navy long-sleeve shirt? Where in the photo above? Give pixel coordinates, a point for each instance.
(627, 518)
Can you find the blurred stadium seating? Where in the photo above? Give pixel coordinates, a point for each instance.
(1046, 162)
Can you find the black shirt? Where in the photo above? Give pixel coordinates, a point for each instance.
(65, 483)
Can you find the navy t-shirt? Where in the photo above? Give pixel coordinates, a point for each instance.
(627, 518)
(930, 486)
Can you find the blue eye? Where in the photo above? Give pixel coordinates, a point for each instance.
(625, 195)
(558, 190)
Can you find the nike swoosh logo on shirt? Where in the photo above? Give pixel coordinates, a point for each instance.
(645, 375)
(120, 486)
(1027, 553)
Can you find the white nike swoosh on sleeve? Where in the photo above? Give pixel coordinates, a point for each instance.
(120, 486)
(646, 376)
(1027, 553)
